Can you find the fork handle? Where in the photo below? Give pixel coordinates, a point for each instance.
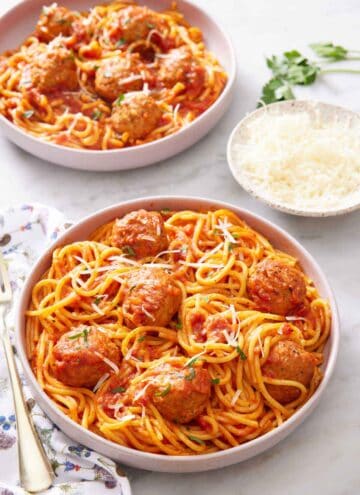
(34, 466)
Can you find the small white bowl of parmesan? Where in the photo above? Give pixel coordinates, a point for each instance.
(300, 157)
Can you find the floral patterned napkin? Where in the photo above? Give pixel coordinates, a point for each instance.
(25, 231)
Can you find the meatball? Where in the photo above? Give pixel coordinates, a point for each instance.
(140, 232)
(54, 69)
(137, 115)
(179, 393)
(151, 298)
(135, 22)
(276, 287)
(179, 66)
(288, 361)
(79, 357)
(54, 21)
(119, 75)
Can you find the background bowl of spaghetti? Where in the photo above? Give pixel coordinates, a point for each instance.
(280, 239)
(19, 22)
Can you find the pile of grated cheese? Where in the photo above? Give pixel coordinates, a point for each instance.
(300, 160)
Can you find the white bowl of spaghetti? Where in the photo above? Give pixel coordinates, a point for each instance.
(111, 87)
(214, 409)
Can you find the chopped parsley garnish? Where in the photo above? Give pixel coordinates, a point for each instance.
(215, 381)
(192, 361)
(119, 99)
(231, 246)
(149, 25)
(118, 390)
(217, 232)
(63, 22)
(235, 235)
(96, 115)
(97, 300)
(178, 325)
(164, 392)
(128, 250)
(96, 67)
(83, 334)
(141, 339)
(28, 114)
(196, 439)
(165, 210)
(241, 353)
(120, 42)
(191, 375)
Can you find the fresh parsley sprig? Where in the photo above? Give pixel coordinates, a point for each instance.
(292, 68)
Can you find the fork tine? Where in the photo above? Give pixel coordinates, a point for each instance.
(5, 287)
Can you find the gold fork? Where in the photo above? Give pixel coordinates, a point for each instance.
(34, 467)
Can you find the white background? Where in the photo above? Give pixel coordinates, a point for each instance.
(322, 456)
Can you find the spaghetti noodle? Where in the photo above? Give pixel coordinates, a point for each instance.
(119, 75)
(191, 364)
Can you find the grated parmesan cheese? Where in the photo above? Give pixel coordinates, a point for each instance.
(300, 160)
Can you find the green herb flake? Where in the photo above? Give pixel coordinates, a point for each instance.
(192, 361)
(28, 114)
(97, 300)
(191, 375)
(241, 353)
(84, 333)
(164, 392)
(119, 99)
(196, 439)
(120, 42)
(128, 250)
(63, 22)
(178, 325)
(164, 211)
(141, 339)
(118, 390)
(96, 67)
(150, 26)
(235, 235)
(215, 381)
(96, 115)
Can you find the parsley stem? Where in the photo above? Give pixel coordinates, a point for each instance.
(349, 71)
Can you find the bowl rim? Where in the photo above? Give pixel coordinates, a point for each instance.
(292, 422)
(246, 185)
(146, 146)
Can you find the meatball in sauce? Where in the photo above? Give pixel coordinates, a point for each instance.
(80, 357)
(54, 69)
(287, 360)
(276, 287)
(118, 75)
(179, 66)
(138, 115)
(134, 23)
(151, 298)
(179, 393)
(140, 232)
(53, 22)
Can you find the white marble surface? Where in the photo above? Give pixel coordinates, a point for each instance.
(322, 457)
